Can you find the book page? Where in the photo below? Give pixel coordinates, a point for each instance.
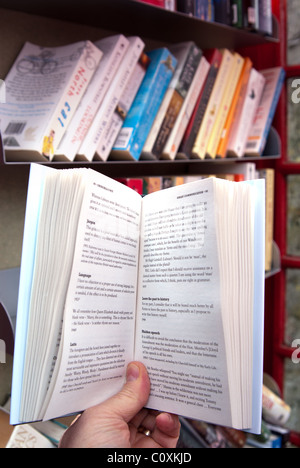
(99, 318)
(179, 333)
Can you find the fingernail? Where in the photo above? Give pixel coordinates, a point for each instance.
(133, 373)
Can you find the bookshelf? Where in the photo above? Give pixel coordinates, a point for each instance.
(62, 22)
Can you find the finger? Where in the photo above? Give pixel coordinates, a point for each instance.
(133, 396)
(167, 430)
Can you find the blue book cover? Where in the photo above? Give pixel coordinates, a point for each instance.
(140, 118)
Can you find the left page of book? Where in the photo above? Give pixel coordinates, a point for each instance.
(99, 319)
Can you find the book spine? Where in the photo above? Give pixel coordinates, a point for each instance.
(187, 109)
(236, 108)
(134, 132)
(178, 97)
(251, 14)
(223, 11)
(79, 81)
(200, 146)
(201, 9)
(265, 23)
(121, 111)
(225, 106)
(237, 7)
(91, 142)
(186, 6)
(94, 95)
(196, 120)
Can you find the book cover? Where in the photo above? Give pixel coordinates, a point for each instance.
(114, 49)
(201, 142)
(215, 59)
(266, 110)
(225, 105)
(43, 90)
(242, 126)
(188, 58)
(96, 131)
(114, 126)
(172, 145)
(112, 298)
(235, 110)
(132, 137)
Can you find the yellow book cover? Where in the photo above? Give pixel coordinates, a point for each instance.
(238, 98)
(200, 146)
(232, 81)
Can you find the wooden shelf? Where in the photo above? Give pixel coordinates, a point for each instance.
(132, 17)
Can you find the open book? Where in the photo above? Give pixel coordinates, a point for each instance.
(174, 279)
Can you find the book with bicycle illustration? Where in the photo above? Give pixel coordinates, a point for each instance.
(174, 279)
(43, 90)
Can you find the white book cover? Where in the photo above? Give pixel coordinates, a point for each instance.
(177, 133)
(114, 49)
(113, 128)
(91, 141)
(265, 111)
(243, 124)
(43, 90)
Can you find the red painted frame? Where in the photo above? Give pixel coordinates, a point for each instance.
(280, 351)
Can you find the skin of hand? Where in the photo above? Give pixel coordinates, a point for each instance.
(116, 422)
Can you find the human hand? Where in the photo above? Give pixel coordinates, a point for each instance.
(123, 422)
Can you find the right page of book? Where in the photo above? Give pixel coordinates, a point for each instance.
(179, 331)
(200, 301)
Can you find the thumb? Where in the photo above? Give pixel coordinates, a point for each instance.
(134, 395)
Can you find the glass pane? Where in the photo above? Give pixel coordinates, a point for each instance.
(292, 394)
(292, 329)
(293, 215)
(293, 28)
(293, 92)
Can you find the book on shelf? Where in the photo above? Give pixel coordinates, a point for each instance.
(140, 118)
(186, 6)
(215, 58)
(174, 279)
(242, 124)
(274, 80)
(225, 105)
(188, 57)
(173, 142)
(236, 106)
(265, 20)
(97, 129)
(209, 119)
(223, 12)
(204, 9)
(114, 49)
(117, 119)
(43, 90)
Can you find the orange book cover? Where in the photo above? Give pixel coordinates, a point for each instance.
(238, 99)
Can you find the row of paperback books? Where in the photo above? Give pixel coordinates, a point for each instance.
(112, 100)
(253, 15)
